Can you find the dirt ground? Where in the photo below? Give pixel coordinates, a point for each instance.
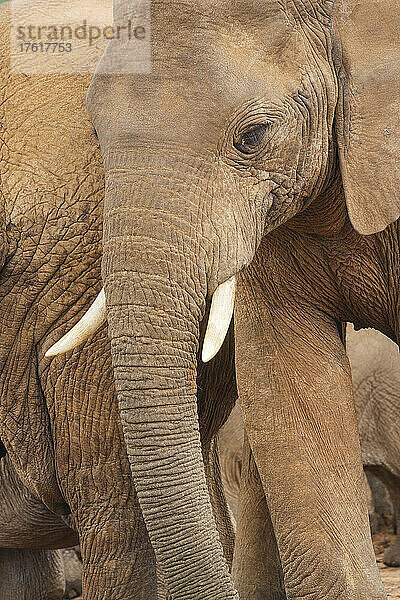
(390, 576)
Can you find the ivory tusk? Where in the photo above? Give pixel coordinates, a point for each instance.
(91, 321)
(221, 311)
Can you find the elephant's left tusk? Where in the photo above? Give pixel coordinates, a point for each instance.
(91, 321)
(221, 311)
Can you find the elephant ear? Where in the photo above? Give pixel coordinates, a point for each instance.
(367, 45)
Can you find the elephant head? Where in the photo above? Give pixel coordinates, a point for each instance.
(234, 131)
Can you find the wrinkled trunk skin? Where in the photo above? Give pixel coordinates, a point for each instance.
(154, 272)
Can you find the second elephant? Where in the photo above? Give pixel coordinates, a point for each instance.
(375, 366)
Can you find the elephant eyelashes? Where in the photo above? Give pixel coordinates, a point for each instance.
(251, 138)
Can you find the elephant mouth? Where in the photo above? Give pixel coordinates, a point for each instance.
(219, 319)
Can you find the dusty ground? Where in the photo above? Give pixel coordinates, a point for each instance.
(390, 576)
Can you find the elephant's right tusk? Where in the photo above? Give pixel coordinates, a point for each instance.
(91, 321)
(221, 311)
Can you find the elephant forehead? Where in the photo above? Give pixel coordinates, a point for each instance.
(208, 60)
(218, 41)
(235, 36)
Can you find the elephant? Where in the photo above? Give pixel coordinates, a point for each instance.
(230, 450)
(257, 157)
(375, 366)
(72, 573)
(31, 564)
(59, 419)
(380, 506)
(375, 362)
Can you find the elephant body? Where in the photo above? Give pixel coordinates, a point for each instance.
(59, 420)
(28, 570)
(31, 564)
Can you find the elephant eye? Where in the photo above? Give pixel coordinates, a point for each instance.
(250, 139)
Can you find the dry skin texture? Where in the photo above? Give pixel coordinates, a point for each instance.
(188, 204)
(390, 577)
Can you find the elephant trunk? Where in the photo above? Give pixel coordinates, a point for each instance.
(155, 302)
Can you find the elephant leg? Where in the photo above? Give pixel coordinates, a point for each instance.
(230, 450)
(373, 517)
(257, 570)
(31, 574)
(380, 496)
(117, 558)
(222, 514)
(391, 557)
(73, 573)
(25, 522)
(300, 420)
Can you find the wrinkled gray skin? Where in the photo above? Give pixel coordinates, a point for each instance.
(375, 364)
(230, 448)
(59, 419)
(31, 567)
(259, 123)
(188, 204)
(380, 505)
(39, 575)
(73, 573)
